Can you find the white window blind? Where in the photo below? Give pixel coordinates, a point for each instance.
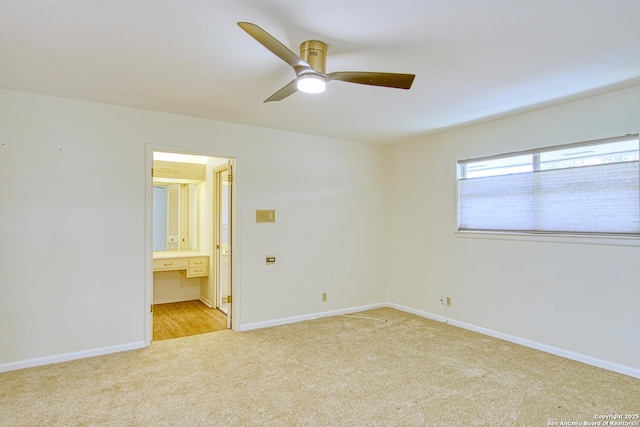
(594, 199)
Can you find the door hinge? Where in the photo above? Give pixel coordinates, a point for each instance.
(151, 172)
(230, 178)
(227, 299)
(151, 308)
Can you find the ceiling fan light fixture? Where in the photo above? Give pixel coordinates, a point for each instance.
(310, 67)
(311, 83)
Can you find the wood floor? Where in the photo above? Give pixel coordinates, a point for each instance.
(181, 319)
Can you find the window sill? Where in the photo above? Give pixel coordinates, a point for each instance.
(552, 238)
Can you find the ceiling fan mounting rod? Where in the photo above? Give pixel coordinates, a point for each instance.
(314, 53)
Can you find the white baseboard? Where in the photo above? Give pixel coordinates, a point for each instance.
(48, 360)
(604, 364)
(302, 318)
(206, 302)
(184, 298)
(420, 313)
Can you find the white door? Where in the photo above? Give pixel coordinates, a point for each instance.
(223, 183)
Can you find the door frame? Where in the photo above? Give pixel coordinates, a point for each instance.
(148, 232)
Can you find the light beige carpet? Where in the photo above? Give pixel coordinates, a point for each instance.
(400, 370)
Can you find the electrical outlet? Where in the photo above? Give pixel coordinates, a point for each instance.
(324, 297)
(448, 301)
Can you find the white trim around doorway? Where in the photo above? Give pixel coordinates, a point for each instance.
(148, 244)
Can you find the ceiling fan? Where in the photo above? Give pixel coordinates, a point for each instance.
(310, 67)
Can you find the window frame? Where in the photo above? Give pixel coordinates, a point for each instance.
(628, 239)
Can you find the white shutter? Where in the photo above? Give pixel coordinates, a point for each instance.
(173, 217)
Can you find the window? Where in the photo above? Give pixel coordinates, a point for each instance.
(584, 188)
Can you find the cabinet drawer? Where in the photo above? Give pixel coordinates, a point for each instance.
(198, 271)
(170, 264)
(201, 261)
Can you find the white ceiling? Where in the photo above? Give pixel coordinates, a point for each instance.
(473, 59)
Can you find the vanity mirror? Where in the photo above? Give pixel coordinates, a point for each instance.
(176, 203)
(175, 216)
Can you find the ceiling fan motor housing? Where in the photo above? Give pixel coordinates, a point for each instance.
(314, 53)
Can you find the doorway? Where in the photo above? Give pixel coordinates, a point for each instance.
(189, 246)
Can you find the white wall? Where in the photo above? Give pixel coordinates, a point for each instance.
(572, 296)
(73, 248)
(174, 286)
(72, 209)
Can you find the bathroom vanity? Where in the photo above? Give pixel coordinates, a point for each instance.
(191, 263)
(181, 276)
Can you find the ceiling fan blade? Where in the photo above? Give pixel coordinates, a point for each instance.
(277, 48)
(398, 81)
(289, 89)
